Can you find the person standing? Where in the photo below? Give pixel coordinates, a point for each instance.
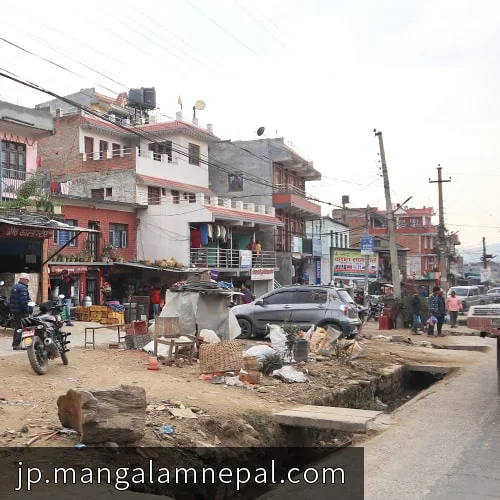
(415, 311)
(247, 294)
(65, 283)
(19, 299)
(155, 301)
(453, 306)
(437, 308)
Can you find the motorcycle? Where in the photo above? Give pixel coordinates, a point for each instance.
(42, 337)
(6, 317)
(362, 313)
(375, 308)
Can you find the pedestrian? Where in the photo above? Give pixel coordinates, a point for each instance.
(65, 283)
(247, 294)
(437, 308)
(19, 299)
(415, 311)
(155, 301)
(423, 291)
(453, 306)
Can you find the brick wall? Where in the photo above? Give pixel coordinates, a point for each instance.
(105, 217)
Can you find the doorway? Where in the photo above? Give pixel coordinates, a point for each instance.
(93, 239)
(92, 290)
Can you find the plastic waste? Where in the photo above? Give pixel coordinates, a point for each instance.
(325, 347)
(278, 339)
(289, 374)
(261, 352)
(80, 446)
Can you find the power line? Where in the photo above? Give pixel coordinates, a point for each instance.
(263, 15)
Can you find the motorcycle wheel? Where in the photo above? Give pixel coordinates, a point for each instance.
(64, 358)
(37, 356)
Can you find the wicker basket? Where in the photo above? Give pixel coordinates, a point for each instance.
(224, 356)
(137, 341)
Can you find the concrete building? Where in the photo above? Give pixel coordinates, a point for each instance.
(271, 172)
(164, 172)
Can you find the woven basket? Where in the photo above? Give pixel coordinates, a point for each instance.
(137, 341)
(224, 356)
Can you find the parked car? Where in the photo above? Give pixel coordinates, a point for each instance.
(494, 294)
(470, 296)
(304, 305)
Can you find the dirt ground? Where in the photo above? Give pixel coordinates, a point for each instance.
(28, 401)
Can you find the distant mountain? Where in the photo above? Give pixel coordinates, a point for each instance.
(474, 254)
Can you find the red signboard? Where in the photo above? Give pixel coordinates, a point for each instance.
(22, 232)
(71, 270)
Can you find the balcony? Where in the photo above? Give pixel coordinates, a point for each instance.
(222, 258)
(293, 200)
(12, 181)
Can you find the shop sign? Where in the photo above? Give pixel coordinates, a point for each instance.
(367, 245)
(261, 274)
(25, 232)
(316, 248)
(352, 263)
(318, 271)
(71, 270)
(246, 258)
(296, 244)
(214, 275)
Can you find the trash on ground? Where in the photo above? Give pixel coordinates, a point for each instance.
(209, 336)
(290, 374)
(166, 429)
(205, 376)
(278, 339)
(80, 446)
(182, 412)
(325, 347)
(234, 382)
(259, 351)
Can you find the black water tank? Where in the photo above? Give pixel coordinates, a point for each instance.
(136, 98)
(149, 97)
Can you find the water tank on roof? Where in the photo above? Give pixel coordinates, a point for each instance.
(136, 98)
(149, 97)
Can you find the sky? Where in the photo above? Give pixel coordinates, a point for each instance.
(323, 74)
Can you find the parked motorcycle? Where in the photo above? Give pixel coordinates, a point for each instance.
(375, 308)
(363, 313)
(42, 337)
(6, 317)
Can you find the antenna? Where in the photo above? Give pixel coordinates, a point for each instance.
(198, 105)
(260, 131)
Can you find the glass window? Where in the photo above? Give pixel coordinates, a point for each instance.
(118, 235)
(13, 160)
(62, 237)
(194, 154)
(282, 297)
(312, 296)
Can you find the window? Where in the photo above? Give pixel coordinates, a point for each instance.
(194, 154)
(97, 194)
(175, 197)
(153, 195)
(312, 296)
(103, 150)
(164, 148)
(345, 241)
(189, 197)
(109, 192)
(336, 240)
(116, 150)
(62, 237)
(89, 148)
(118, 235)
(235, 183)
(284, 297)
(14, 160)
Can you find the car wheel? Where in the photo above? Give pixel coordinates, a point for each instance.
(246, 328)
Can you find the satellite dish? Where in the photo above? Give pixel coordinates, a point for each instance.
(199, 104)
(260, 131)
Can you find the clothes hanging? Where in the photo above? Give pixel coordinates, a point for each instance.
(204, 234)
(195, 239)
(210, 232)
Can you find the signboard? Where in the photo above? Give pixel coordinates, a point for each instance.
(318, 271)
(25, 232)
(485, 274)
(214, 275)
(367, 245)
(71, 270)
(352, 263)
(316, 248)
(261, 274)
(246, 259)
(296, 244)
(414, 265)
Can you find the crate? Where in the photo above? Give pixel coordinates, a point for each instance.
(137, 328)
(137, 341)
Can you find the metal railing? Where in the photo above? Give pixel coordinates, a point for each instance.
(12, 182)
(289, 189)
(229, 259)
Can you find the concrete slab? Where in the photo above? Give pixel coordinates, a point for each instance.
(430, 368)
(466, 347)
(327, 417)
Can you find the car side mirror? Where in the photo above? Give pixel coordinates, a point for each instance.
(260, 302)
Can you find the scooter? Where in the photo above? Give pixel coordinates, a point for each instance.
(6, 317)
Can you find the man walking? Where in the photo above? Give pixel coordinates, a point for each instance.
(19, 299)
(437, 309)
(415, 311)
(65, 283)
(453, 306)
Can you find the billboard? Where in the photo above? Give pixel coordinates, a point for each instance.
(352, 263)
(367, 244)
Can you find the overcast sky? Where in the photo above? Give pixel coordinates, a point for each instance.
(322, 74)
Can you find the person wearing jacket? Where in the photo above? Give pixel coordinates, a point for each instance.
(437, 308)
(246, 298)
(453, 306)
(155, 301)
(65, 283)
(415, 311)
(19, 299)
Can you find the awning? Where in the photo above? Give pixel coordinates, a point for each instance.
(223, 213)
(156, 268)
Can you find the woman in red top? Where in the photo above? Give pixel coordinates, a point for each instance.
(155, 301)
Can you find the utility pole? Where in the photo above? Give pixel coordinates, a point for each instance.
(441, 230)
(367, 257)
(485, 255)
(396, 278)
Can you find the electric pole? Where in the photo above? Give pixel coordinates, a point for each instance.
(484, 259)
(441, 237)
(367, 257)
(396, 278)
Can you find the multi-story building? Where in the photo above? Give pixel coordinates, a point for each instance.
(271, 172)
(162, 169)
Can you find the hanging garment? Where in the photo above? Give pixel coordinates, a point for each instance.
(64, 187)
(204, 234)
(195, 239)
(55, 187)
(218, 231)
(223, 233)
(210, 232)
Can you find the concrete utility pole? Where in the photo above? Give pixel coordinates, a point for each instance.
(367, 257)
(441, 229)
(396, 278)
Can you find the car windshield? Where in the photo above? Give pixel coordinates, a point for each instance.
(460, 291)
(345, 296)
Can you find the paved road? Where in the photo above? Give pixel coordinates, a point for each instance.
(445, 444)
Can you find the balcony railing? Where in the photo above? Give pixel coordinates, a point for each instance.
(203, 199)
(229, 259)
(108, 154)
(289, 188)
(13, 180)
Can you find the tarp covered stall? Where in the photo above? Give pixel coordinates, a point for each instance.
(209, 311)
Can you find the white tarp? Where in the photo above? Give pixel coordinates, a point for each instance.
(209, 311)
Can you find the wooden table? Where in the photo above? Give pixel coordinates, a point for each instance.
(92, 329)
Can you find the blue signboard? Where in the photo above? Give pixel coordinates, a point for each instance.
(367, 245)
(318, 271)
(316, 248)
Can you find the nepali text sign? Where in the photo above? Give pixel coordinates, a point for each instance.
(261, 274)
(367, 245)
(25, 232)
(246, 258)
(352, 263)
(318, 271)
